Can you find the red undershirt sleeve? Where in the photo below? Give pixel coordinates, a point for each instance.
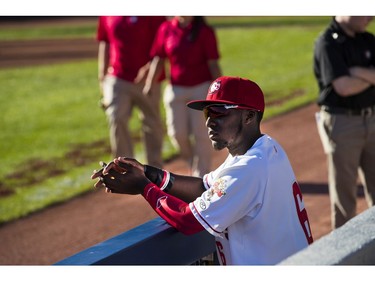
(173, 210)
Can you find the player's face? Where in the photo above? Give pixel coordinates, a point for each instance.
(224, 124)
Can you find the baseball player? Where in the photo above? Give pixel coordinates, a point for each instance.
(252, 203)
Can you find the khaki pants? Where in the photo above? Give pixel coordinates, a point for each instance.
(187, 127)
(120, 97)
(349, 142)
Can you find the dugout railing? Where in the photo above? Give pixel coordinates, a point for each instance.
(157, 243)
(152, 243)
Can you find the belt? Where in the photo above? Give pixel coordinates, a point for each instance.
(367, 111)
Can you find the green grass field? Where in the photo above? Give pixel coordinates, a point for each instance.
(53, 133)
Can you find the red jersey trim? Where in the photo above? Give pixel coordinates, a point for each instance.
(172, 209)
(200, 216)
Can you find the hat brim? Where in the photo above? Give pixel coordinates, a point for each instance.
(200, 104)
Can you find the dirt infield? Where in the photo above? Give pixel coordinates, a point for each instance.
(27, 53)
(53, 234)
(46, 51)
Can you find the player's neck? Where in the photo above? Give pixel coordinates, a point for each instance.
(244, 145)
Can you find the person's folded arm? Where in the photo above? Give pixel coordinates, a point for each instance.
(364, 73)
(347, 86)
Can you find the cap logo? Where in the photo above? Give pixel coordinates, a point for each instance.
(215, 86)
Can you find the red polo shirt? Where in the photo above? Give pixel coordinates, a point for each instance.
(188, 60)
(130, 40)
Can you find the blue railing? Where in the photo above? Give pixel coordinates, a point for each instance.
(153, 243)
(157, 243)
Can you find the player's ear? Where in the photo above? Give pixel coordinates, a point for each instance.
(250, 116)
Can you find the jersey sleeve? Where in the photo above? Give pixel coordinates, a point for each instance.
(101, 33)
(332, 63)
(158, 48)
(156, 22)
(173, 210)
(210, 44)
(235, 192)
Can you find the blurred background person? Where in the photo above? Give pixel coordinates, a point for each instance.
(123, 63)
(190, 47)
(344, 61)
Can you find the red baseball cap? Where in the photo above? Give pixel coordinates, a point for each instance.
(232, 90)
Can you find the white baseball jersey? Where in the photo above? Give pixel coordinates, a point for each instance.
(254, 208)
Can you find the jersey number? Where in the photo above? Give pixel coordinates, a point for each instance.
(219, 247)
(302, 216)
(302, 213)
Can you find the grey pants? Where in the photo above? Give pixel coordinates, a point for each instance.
(187, 127)
(120, 98)
(349, 143)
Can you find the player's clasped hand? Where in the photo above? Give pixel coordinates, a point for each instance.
(122, 175)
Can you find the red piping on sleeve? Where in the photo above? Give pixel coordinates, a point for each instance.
(173, 210)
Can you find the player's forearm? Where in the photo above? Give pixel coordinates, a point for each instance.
(173, 210)
(156, 68)
(186, 188)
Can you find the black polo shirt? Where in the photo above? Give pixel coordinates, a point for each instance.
(334, 54)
